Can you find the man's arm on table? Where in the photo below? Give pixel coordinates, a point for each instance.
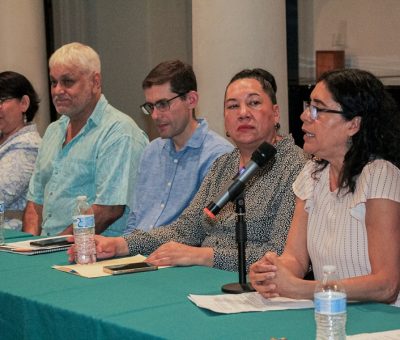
(32, 218)
(104, 216)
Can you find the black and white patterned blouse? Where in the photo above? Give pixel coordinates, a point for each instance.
(269, 202)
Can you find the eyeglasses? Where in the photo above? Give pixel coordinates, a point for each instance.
(314, 110)
(161, 105)
(4, 99)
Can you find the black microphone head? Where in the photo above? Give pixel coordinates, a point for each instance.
(263, 154)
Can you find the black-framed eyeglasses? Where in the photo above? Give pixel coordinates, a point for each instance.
(4, 99)
(314, 110)
(161, 105)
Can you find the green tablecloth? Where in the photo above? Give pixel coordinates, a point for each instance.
(38, 302)
(13, 234)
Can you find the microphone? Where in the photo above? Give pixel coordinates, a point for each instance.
(259, 158)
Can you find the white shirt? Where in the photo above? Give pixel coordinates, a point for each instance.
(336, 231)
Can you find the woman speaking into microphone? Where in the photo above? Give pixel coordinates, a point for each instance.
(251, 115)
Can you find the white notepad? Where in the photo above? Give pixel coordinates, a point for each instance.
(25, 247)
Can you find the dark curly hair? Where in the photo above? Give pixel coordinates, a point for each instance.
(360, 93)
(15, 85)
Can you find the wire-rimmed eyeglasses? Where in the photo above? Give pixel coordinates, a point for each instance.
(314, 110)
(161, 105)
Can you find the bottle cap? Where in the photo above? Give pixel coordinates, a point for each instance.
(329, 268)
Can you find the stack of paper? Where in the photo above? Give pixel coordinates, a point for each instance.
(246, 302)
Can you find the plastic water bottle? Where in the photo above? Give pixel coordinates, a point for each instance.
(2, 211)
(84, 231)
(330, 307)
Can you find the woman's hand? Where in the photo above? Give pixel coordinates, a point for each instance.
(261, 274)
(178, 254)
(106, 247)
(271, 277)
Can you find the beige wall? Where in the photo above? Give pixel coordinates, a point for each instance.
(131, 36)
(23, 48)
(230, 35)
(368, 31)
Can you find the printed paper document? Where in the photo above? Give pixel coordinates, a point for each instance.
(246, 302)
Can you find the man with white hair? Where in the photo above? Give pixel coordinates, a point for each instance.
(92, 150)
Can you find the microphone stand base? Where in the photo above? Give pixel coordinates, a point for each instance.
(237, 288)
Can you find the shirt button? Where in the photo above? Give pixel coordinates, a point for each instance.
(175, 161)
(162, 205)
(169, 184)
(49, 215)
(51, 193)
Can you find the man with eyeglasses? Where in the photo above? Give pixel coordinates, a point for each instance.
(92, 149)
(172, 166)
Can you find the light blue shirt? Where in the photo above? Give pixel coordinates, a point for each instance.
(100, 162)
(17, 160)
(168, 180)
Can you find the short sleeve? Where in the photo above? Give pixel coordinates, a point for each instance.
(379, 179)
(303, 186)
(36, 186)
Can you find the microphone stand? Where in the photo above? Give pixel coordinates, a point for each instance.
(241, 239)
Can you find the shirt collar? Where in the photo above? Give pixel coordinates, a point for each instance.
(94, 118)
(98, 111)
(195, 141)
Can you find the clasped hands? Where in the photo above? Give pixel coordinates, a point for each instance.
(271, 278)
